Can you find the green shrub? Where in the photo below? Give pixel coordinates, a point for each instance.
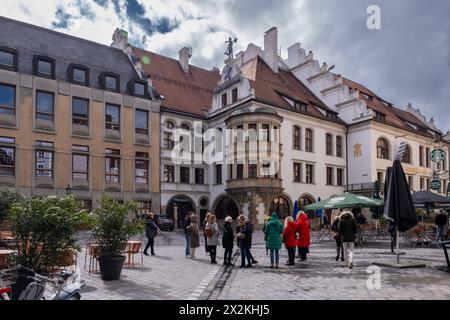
(112, 228)
(45, 230)
(7, 198)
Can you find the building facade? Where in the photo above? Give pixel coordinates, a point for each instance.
(75, 117)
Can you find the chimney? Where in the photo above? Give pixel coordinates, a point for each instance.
(184, 56)
(271, 48)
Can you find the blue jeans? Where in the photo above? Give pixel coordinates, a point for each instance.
(441, 233)
(245, 254)
(187, 252)
(274, 256)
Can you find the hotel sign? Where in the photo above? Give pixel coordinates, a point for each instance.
(418, 171)
(437, 155)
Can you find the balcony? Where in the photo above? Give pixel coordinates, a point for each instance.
(254, 183)
(362, 187)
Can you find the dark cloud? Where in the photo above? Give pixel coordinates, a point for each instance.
(85, 9)
(63, 19)
(102, 3)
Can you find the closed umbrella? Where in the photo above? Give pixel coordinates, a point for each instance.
(344, 201)
(296, 210)
(376, 211)
(398, 208)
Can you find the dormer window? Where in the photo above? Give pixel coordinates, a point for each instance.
(224, 100)
(137, 88)
(332, 116)
(8, 59)
(300, 106)
(110, 81)
(234, 95)
(78, 74)
(44, 67)
(380, 117)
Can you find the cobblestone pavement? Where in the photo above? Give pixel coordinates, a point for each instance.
(169, 275)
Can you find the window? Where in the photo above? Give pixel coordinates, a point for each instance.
(44, 105)
(112, 117)
(297, 172)
(110, 81)
(382, 149)
(199, 176)
(331, 116)
(80, 163)
(308, 140)
(252, 170)
(411, 183)
(218, 173)
(112, 165)
(185, 175)
(139, 89)
(329, 144)
(421, 156)
(422, 183)
(141, 121)
(141, 165)
(296, 138)
(170, 125)
(266, 131)
(44, 159)
(44, 67)
(7, 100)
(407, 155)
(240, 133)
(80, 111)
(7, 157)
(252, 132)
(168, 142)
(300, 106)
(143, 207)
(78, 74)
(330, 172)
(240, 171)
(427, 158)
(339, 146)
(169, 174)
(265, 167)
(224, 100)
(234, 95)
(8, 59)
(380, 177)
(340, 177)
(309, 173)
(380, 117)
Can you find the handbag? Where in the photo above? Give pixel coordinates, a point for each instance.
(337, 237)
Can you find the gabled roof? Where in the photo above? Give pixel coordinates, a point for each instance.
(184, 92)
(393, 116)
(272, 88)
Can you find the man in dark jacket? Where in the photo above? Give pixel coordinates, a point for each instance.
(348, 229)
(151, 231)
(245, 241)
(441, 222)
(228, 242)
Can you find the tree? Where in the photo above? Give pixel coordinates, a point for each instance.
(7, 198)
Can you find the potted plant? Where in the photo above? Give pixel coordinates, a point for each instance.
(112, 229)
(44, 230)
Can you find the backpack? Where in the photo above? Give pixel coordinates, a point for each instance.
(208, 232)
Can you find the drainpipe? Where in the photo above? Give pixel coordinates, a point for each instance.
(346, 156)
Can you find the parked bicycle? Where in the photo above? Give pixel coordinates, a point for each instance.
(65, 286)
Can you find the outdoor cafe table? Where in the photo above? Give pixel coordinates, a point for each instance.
(445, 245)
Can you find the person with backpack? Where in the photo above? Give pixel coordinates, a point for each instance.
(228, 242)
(194, 236)
(151, 231)
(289, 239)
(274, 230)
(212, 233)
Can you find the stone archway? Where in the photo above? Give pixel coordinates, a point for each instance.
(281, 205)
(177, 208)
(304, 200)
(226, 206)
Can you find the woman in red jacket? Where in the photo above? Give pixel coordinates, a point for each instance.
(303, 240)
(289, 239)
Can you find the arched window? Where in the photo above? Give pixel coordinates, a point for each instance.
(185, 127)
(339, 146)
(281, 206)
(168, 141)
(329, 144)
(407, 155)
(382, 149)
(170, 125)
(308, 140)
(296, 138)
(226, 207)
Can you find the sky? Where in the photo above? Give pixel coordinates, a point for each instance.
(407, 60)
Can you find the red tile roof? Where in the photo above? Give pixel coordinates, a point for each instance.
(186, 92)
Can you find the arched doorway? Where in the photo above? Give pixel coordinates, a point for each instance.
(306, 200)
(281, 206)
(226, 207)
(180, 205)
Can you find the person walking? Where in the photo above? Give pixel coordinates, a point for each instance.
(212, 233)
(348, 230)
(228, 242)
(266, 221)
(204, 235)
(244, 237)
(151, 231)
(251, 240)
(337, 238)
(289, 239)
(304, 238)
(187, 223)
(274, 230)
(441, 222)
(194, 235)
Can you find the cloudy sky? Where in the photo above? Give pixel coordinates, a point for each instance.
(408, 60)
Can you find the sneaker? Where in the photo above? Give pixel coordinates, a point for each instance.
(145, 253)
(271, 266)
(226, 264)
(248, 266)
(337, 258)
(350, 266)
(231, 265)
(276, 266)
(342, 259)
(254, 262)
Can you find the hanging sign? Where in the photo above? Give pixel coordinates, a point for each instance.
(437, 155)
(435, 184)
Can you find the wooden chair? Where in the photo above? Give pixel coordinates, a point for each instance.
(134, 247)
(92, 250)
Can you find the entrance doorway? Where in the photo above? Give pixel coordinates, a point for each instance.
(226, 207)
(180, 205)
(281, 206)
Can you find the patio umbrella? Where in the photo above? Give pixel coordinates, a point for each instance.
(399, 209)
(346, 200)
(296, 210)
(377, 211)
(428, 200)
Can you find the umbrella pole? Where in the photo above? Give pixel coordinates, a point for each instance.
(397, 244)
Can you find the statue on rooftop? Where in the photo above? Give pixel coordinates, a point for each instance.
(229, 51)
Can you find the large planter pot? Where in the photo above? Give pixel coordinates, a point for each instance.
(111, 267)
